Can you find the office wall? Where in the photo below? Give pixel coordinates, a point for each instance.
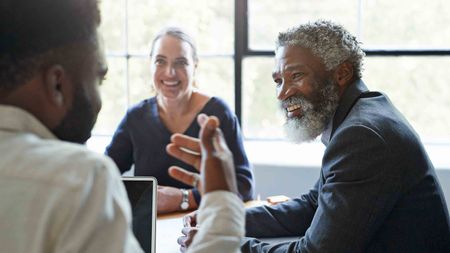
(282, 168)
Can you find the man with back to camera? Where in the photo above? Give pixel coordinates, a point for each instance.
(377, 190)
(55, 196)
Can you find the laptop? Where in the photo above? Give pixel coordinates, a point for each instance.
(142, 194)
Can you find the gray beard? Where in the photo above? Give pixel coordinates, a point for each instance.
(315, 115)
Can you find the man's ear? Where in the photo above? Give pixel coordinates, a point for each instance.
(57, 86)
(344, 74)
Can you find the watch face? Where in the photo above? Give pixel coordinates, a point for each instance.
(184, 205)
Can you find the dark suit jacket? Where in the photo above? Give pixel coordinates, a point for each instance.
(377, 190)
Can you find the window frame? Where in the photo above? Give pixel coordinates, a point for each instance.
(242, 50)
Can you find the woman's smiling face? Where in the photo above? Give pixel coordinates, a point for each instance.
(173, 67)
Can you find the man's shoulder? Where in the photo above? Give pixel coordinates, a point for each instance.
(372, 112)
(82, 161)
(56, 162)
(375, 119)
(80, 155)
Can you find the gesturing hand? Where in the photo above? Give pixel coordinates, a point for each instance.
(210, 155)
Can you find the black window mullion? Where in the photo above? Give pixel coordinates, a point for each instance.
(240, 48)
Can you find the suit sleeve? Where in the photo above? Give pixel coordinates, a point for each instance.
(359, 191)
(221, 217)
(121, 147)
(287, 219)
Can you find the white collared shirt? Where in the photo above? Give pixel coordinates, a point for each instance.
(57, 196)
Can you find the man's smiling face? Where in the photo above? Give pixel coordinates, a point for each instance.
(307, 93)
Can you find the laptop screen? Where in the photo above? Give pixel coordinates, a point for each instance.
(142, 194)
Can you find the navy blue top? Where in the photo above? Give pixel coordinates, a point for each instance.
(142, 137)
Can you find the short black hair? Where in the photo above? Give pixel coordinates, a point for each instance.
(31, 29)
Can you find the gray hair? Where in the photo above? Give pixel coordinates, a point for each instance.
(328, 41)
(178, 33)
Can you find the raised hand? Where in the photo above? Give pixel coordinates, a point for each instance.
(210, 155)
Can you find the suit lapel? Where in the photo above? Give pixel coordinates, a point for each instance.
(349, 98)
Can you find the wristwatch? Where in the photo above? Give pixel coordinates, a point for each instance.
(184, 205)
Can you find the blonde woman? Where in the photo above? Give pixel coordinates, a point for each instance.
(143, 134)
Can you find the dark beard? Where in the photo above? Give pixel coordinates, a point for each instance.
(78, 122)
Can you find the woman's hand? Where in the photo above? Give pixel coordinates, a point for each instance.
(169, 199)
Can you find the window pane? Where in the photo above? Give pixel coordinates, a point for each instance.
(140, 80)
(419, 87)
(410, 23)
(112, 27)
(214, 76)
(113, 91)
(267, 19)
(261, 117)
(211, 23)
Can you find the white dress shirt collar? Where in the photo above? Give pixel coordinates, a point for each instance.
(15, 119)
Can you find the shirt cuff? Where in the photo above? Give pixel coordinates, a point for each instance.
(225, 210)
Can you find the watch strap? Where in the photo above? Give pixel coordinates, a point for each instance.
(184, 205)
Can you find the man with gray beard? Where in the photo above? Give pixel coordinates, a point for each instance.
(315, 115)
(377, 190)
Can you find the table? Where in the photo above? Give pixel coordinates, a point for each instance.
(168, 229)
